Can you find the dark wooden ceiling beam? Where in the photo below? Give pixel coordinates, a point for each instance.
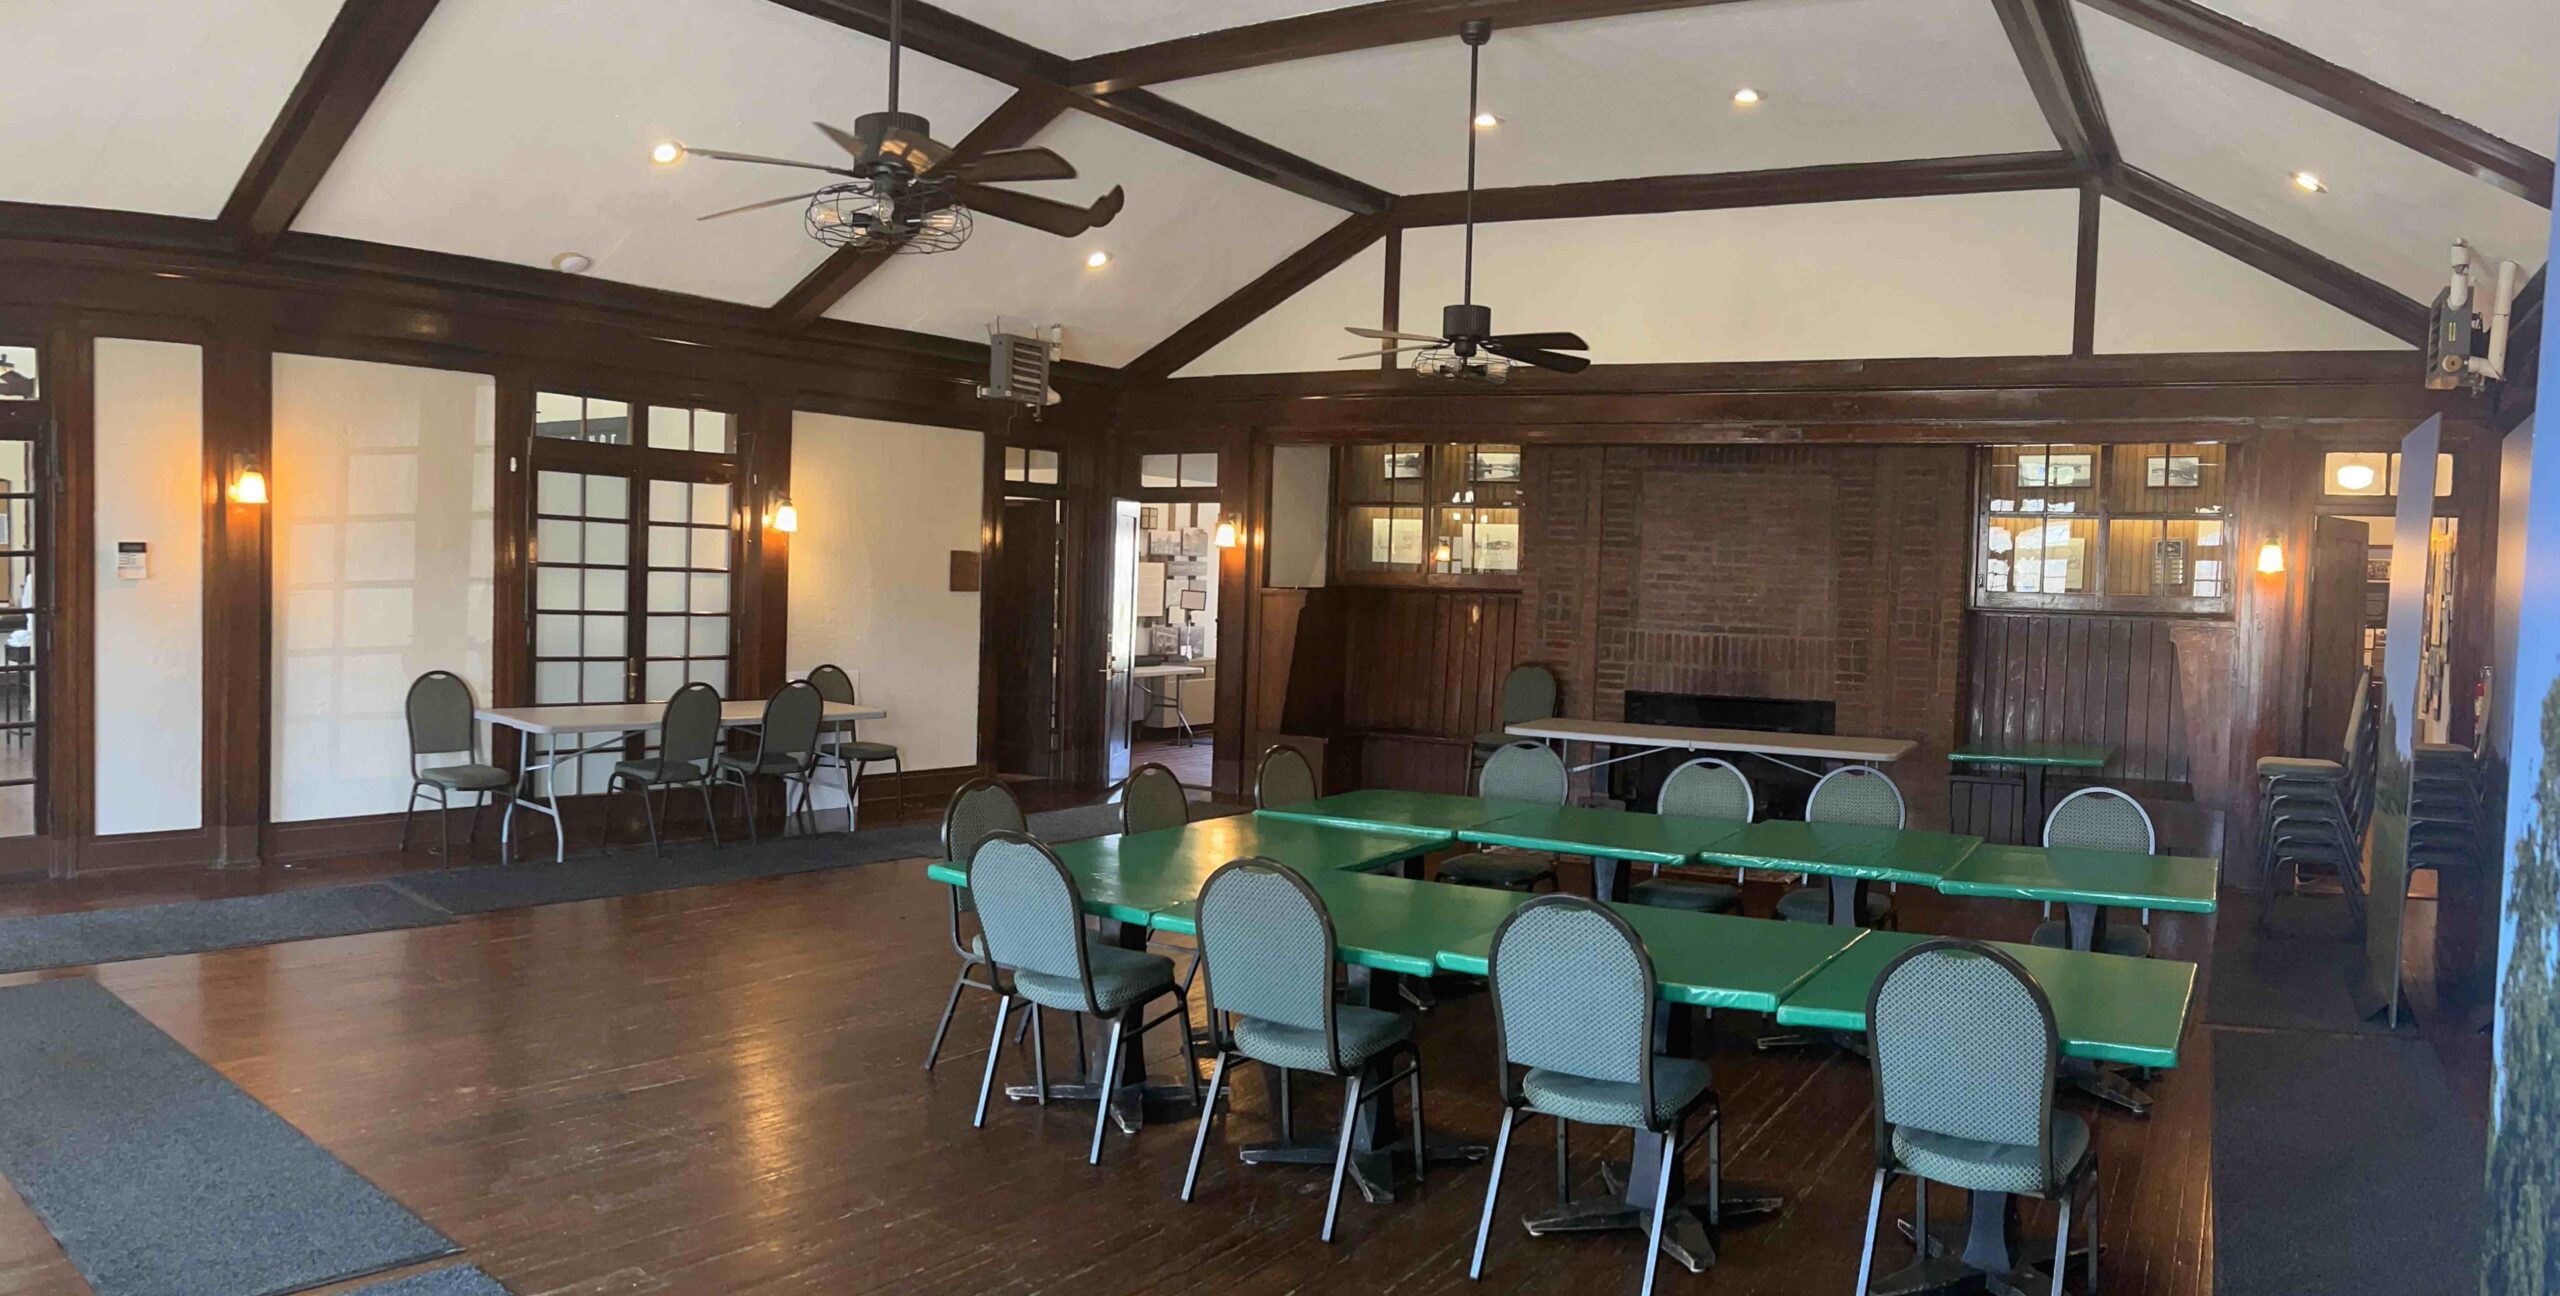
(363, 46)
(1845, 182)
(1011, 125)
(2376, 303)
(1333, 31)
(2358, 98)
(2047, 39)
(1276, 285)
(949, 38)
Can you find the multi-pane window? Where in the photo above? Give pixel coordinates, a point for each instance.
(687, 602)
(23, 426)
(1178, 471)
(1428, 513)
(2137, 527)
(1040, 467)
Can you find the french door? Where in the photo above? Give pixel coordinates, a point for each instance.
(27, 476)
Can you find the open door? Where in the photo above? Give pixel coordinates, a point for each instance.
(1124, 640)
(2337, 594)
(1022, 577)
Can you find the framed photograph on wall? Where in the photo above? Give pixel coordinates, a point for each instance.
(2173, 472)
(2076, 469)
(1496, 466)
(1404, 465)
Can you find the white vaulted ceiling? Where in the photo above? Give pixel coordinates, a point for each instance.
(2487, 62)
(519, 129)
(1652, 94)
(1080, 30)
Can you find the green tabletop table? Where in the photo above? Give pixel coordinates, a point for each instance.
(1389, 810)
(2108, 1009)
(2033, 759)
(1608, 837)
(2086, 879)
(1710, 960)
(1388, 924)
(1845, 855)
(1128, 877)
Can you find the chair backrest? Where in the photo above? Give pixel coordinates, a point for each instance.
(1707, 788)
(1855, 794)
(440, 715)
(2101, 818)
(1283, 779)
(791, 721)
(1028, 908)
(690, 731)
(832, 683)
(980, 809)
(1524, 771)
(1964, 1046)
(1153, 798)
(1528, 693)
(1573, 992)
(1268, 940)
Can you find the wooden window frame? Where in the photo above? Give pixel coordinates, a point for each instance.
(2099, 601)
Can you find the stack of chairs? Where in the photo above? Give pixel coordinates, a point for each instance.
(2313, 811)
(2446, 828)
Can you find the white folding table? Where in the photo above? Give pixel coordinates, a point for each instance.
(550, 724)
(1776, 748)
(1150, 682)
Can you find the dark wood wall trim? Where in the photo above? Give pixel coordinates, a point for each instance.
(2046, 36)
(2084, 276)
(1842, 182)
(238, 605)
(1274, 286)
(364, 44)
(2255, 245)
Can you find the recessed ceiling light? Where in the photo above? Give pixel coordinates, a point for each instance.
(1746, 96)
(666, 153)
(2308, 183)
(573, 263)
(1096, 259)
(1487, 121)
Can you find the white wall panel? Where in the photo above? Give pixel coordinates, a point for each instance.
(1279, 340)
(2487, 62)
(383, 483)
(150, 633)
(2159, 290)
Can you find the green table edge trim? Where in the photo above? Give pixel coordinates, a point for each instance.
(1791, 1014)
(1437, 836)
(1993, 756)
(949, 875)
(2076, 895)
(1559, 846)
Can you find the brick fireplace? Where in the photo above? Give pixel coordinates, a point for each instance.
(1829, 573)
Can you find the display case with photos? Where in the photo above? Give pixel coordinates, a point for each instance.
(1428, 514)
(2134, 527)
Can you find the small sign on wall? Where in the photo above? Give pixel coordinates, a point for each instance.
(964, 571)
(133, 559)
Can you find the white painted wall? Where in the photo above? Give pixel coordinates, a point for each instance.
(150, 633)
(1305, 332)
(2159, 290)
(1295, 543)
(383, 480)
(882, 505)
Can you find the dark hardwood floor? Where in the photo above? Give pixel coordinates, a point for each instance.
(719, 1091)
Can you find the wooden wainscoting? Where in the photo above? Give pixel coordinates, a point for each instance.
(2037, 677)
(1422, 675)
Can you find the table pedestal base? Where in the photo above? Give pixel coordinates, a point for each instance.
(1961, 1256)
(1378, 1172)
(1684, 1234)
(2106, 1085)
(1132, 1106)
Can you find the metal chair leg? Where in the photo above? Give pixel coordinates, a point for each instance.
(712, 819)
(1039, 1059)
(1110, 1081)
(1342, 1150)
(1867, 1256)
(406, 814)
(995, 1049)
(1493, 1190)
(1715, 1169)
(958, 984)
(1200, 1137)
(2093, 1235)
(898, 767)
(1564, 1164)
(2062, 1245)
(476, 807)
(747, 806)
(1416, 1083)
(444, 823)
(649, 816)
(1661, 1206)
(1280, 1086)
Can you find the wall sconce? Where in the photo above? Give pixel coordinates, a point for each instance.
(1441, 558)
(1227, 536)
(785, 517)
(248, 481)
(2271, 556)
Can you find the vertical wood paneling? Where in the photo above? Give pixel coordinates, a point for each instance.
(1426, 663)
(2095, 679)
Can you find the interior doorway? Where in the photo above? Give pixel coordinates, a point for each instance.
(28, 469)
(1164, 637)
(1024, 581)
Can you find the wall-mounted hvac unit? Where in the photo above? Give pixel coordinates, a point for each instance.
(1018, 361)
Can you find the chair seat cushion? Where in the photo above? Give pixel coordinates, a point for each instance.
(1514, 872)
(866, 751)
(2124, 936)
(1680, 893)
(1813, 904)
(2299, 767)
(655, 770)
(769, 763)
(1616, 1102)
(1360, 1033)
(1991, 1167)
(468, 778)
(1121, 977)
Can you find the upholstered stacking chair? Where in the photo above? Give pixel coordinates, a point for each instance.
(444, 723)
(1153, 798)
(1522, 771)
(1705, 788)
(844, 749)
(1965, 1049)
(1851, 794)
(786, 750)
(1574, 1032)
(1283, 778)
(1268, 941)
(2100, 818)
(1528, 693)
(1033, 920)
(688, 740)
(978, 809)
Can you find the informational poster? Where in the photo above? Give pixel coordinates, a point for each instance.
(2404, 638)
(1396, 542)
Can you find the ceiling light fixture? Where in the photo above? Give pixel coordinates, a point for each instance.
(2308, 183)
(573, 263)
(1096, 259)
(666, 153)
(2355, 477)
(1487, 121)
(1746, 97)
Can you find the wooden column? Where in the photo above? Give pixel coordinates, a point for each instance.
(239, 409)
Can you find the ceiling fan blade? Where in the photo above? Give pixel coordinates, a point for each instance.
(1547, 359)
(1539, 341)
(1062, 219)
(1013, 164)
(760, 206)
(1387, 351)
(1385, 336)
(726, 156)
(862, 147)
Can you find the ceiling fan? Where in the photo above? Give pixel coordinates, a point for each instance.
(903, 193)
(1467, 347)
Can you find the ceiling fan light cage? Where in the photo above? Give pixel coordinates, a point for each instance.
(1445, 362)
(857, 215)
